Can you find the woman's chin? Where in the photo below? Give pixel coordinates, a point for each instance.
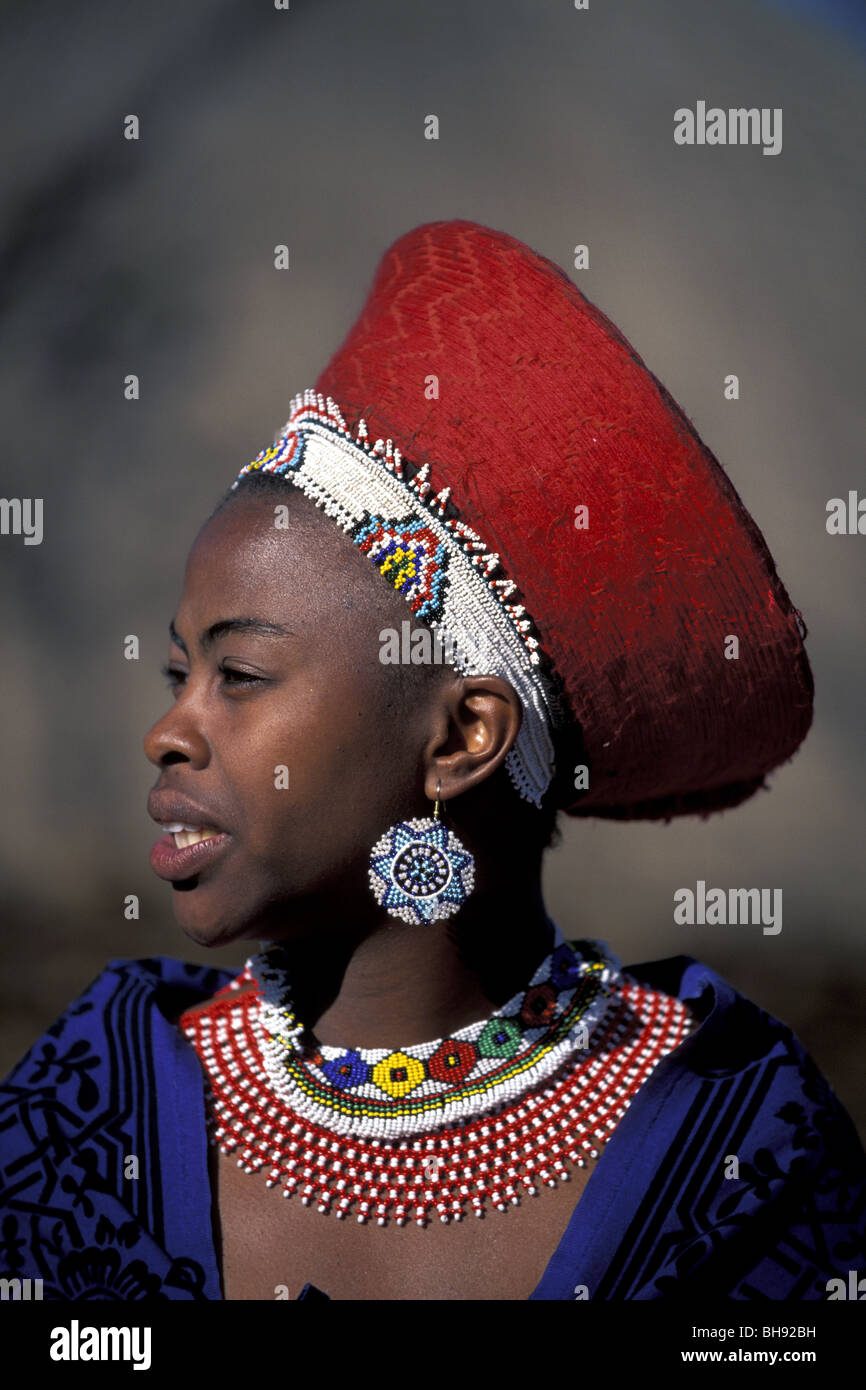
(211, 931)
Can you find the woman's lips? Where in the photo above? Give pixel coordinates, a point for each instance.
(172, 863)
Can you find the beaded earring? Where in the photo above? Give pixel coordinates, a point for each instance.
(420, 871)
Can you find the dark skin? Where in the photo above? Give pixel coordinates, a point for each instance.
(366, 746)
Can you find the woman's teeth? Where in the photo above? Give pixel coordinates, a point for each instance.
(185, 835)
(184, 838)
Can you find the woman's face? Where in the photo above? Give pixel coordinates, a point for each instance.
(287, 734)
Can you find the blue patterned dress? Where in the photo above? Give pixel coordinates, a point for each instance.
(113, 1078)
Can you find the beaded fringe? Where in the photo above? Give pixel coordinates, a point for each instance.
(356, 481)
(493, 1159)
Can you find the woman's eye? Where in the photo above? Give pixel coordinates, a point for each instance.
(173, 676)
(235, 677)
(176, 678)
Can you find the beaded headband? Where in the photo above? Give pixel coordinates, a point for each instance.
(440, 565)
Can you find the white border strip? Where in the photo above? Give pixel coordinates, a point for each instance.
(345, 481)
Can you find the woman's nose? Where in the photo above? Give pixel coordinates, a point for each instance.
(176, 737)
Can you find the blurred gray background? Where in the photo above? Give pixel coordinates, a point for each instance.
(261, 126)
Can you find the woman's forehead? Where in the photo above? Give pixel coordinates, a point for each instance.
(283, 550)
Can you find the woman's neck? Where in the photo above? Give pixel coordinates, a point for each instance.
(402, 984)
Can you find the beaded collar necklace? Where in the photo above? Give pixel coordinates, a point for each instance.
(433, 1128)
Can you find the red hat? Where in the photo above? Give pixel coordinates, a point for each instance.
(568, 529)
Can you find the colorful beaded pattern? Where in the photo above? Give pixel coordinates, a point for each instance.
(419, 871)
(440, 565)
(411, 558)
(447, 1169)
(377, 1091)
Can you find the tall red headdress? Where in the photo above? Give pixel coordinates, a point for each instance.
(568, 529)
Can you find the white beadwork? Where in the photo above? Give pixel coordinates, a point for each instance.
(516, 1149)
(346, 477)
(277, 1035)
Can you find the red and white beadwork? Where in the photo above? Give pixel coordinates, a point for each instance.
(391, 1094)
(490, 1158)
(450, 577)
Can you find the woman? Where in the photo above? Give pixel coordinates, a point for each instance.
(578, 615)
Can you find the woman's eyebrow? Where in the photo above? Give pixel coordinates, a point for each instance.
(260, 627)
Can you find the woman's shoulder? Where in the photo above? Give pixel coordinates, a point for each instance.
(733, 1030)
(125, 995)
(742, 1051)
(103, 1162)
(740, 1172)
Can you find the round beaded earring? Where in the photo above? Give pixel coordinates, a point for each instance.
(419, 869)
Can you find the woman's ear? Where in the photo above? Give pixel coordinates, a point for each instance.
(478, 721)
